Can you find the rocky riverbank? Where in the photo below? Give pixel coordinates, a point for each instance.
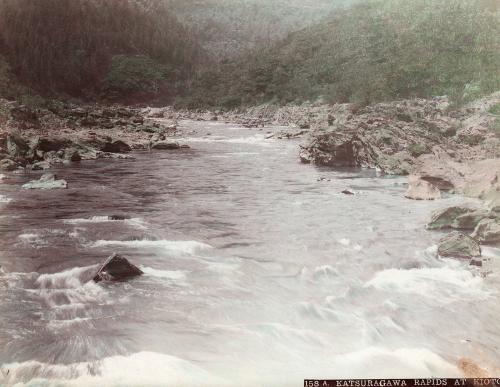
(37, 139)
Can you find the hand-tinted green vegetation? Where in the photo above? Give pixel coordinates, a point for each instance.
(226, 28)
(373, 51)
(87, 47)
(155, 50)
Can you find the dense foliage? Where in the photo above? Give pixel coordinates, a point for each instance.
(80, 47)
(376, 50)
(226, 28)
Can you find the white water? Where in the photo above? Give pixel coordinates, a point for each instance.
(257, 271)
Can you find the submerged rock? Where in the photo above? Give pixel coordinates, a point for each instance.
(118, 217)
(348, 192)
(47, 181)
(116, 268)
(421, 190)
(488, 231)
(458, 245)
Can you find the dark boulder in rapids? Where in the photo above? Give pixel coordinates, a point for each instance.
(117, 268)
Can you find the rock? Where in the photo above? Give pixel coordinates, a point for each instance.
(72, 154)
(473, 135)
(116, 268)
(487, 231)
(185, 146)
(339, 150)
(469, 220)
(116, 146)
(348, 192)
(421, 190)
(16, 145)
(51, 144)
(47, 181)
(165, 145)
(118, 217)
(439, 182)
(444, 218)
(476, 262)
(138, 120)
(40, 166)
(8, 165)
(458, 245)
(78, 112)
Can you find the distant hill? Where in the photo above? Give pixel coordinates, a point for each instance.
(226, 28)
(373, 51)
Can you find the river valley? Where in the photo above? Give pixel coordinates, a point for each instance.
(258, 270)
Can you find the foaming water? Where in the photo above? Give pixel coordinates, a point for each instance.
(181, 247)
(257, 271)
(451, 284)
(4, 199)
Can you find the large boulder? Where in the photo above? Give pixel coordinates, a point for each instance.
(444, 218)
(17, 146)
(72, 154)
(116, 268)
(49, 144)
(419, 189)
(8, 165)
(165, 145)
(47, 181)
(470, 220)
(488, 231)
(116, 146)
(336, 149)
(458, 245)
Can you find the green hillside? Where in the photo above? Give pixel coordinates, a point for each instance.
(373, 51)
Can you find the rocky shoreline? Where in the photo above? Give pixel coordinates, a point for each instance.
(37, 139)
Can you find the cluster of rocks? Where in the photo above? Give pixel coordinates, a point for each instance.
(393, 136)
(38, 139)
(306, 116)
(471, 228)
(40, 153)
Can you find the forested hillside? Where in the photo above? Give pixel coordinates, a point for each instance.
(376, 50)
(227, 28)
(106, 48)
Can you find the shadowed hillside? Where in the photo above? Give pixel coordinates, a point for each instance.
(90, 47)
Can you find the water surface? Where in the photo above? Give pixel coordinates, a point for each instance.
(258, 271)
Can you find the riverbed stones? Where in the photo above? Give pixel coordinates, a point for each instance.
(47, 181)
(419, 189)
(116, 268)
(488, 231)
(458, 245)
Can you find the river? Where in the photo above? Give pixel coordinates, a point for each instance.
(257, 271)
